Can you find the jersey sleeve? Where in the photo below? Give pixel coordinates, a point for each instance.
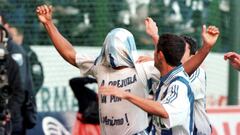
(152, 75)
(176, 104)
(198, 83)
(85, 64)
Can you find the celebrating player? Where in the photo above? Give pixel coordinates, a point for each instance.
(171, 96)
(174, 100)
(198, 82)
(115, 66)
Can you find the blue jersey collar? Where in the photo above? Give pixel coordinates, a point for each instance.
(166, 79)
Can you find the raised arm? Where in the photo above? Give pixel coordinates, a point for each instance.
(152, 30)
(62, 45)
(209, 37)
(234, 59)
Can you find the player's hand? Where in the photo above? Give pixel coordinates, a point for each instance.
(144, 59)
(113, 91)
(44, 13)
(210, 35)
(151, 27)
(234, 59)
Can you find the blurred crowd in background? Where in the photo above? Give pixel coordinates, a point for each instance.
(85, 23)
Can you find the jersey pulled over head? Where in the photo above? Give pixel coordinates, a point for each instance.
(119, 49)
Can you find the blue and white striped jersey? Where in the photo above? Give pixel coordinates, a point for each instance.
(176, 96)
(201, 121)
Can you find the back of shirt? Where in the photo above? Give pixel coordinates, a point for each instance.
(201, 121)
(117, 116)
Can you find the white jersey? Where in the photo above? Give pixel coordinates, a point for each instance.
(201, 121)
(117, 116)
(176, 96)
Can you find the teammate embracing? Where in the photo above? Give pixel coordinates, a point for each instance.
(198, 82)
(174, 100)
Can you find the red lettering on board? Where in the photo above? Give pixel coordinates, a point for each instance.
(226, 128)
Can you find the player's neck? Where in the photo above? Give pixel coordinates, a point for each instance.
(166, 69)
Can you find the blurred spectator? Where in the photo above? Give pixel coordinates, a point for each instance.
(14, 97)
(18, 53)
(87, 122)
(36, 69)
(234, 59)
(35, 66)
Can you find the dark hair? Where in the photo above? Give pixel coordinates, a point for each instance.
(192, 43)
(173, 48)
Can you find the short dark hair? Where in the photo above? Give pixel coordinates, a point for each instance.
(173, 48)
(192, 43)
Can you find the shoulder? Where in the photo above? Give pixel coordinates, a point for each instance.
(82, 58)
(180, 82)
(198, 74)
(149, 68)
(12, 47)
(146, 64)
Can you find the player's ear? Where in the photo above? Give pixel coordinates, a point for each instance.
(160, 55)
